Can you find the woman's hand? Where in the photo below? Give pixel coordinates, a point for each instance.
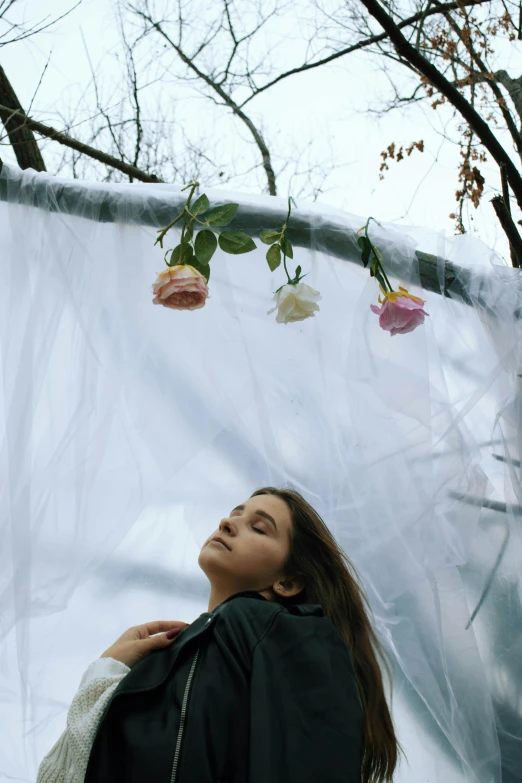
(139, 641)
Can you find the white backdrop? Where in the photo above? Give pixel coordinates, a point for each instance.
(128, 430)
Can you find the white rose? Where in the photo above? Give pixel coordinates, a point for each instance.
(295, 303)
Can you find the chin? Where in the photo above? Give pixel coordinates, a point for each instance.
(205, 564)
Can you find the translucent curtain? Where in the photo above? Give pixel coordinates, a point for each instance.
(127, 431)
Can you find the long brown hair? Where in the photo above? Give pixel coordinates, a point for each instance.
(331, 580)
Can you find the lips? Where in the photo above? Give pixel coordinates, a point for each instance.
(220, 540)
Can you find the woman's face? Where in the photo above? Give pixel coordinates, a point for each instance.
(257, 535)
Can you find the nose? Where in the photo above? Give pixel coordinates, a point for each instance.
(226, 526)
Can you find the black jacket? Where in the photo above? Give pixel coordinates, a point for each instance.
(251, 692)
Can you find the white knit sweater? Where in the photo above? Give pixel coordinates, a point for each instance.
(67, 760)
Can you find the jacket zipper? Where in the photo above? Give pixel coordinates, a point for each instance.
(184, 709)
(182, 720)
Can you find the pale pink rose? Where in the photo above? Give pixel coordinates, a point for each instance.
(180, 287)
(401, 312)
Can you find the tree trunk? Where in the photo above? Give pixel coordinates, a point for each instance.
(22, 138)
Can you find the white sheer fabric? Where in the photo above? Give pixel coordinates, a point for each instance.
(127, 431)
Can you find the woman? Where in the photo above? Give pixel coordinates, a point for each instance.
(278, 681)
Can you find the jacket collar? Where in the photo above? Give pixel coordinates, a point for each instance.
(302, 609)
(244, 593)
(155, 668)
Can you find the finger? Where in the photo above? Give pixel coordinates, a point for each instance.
(159, 626)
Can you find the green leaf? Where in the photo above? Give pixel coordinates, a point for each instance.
(286, 247)
(221, 216)
(378, 275)
(182, 254)
(187, 253)
(204, 269)
(200, 205)
(269, 236)
(205, 246)
(366, 249)
(298, 271)
(375, 271)
(236, 242)
(273, 256)
(174, 258)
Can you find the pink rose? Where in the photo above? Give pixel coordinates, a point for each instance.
(180, 287)
(401, 312)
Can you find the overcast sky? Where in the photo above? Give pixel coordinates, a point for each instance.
(327, 106)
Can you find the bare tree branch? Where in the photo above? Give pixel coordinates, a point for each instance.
(505, 196)
(435, 77)
(488, 78)
(22, 138)
(99, 106)
(506, 221)
(225, 97)
(133, 79)
(514, 88)
(39, 27)
(62, 138)
(360, 45)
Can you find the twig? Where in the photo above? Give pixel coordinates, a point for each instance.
(98, 102)
(31, 30)
(421, 23)
(506, 221)
(39, 82)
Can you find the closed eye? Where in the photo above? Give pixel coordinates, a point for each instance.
(258, 530)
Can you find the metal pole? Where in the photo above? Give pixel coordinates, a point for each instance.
(138, 206)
